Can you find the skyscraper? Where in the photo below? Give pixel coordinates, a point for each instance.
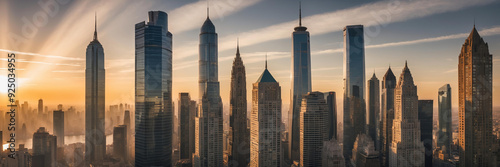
(40, 107)
(313, 119)
(240, 149)
(209, 130)
(406, 148)
(126, 121)
(425, 112)
(186, 115)
(265, 144)
(120, 142)
(387, 106)
(95, 140)
(44, 148)
(372, 116)
(354, 85)
(58, 122)
(301, 84)
(153, 91)
(364, 153)
(331, 118)
(475, 102)
(445, 133)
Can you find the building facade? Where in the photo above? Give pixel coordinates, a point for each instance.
(331, 124)
(58, 122)
(387, 106)
(313, 131)
(153, 91)
(364, 153)
(475, 102)
(44, 148)
(406, 148)
(332, 154)
(240, 142)
(95, 143)
(120, 147)
(209, 126)
(425, 116)
(265, 142)
(186, 128)
(354, 85)
(301, 85)
(445, 133)
(373, 114)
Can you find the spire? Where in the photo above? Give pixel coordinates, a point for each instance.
(266, 61)
(208, 10)
(95, 26)
(300, 14)
(238, 47)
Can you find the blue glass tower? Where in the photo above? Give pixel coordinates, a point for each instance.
(209, 130)
(153, 91)
(95, 139)
(354, 85)
(301, 85)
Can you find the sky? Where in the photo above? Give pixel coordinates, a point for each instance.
(50, 38)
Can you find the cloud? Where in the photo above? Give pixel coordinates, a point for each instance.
(451, 71)
(381, 13)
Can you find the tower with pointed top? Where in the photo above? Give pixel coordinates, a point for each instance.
(301, 85)
(95, 142)
(406, 148)
(373, 114)
(265, 141)
(475, 102)
(387, 116)
(354, 86)
(153, 91)
(240, 148)
(209, 124)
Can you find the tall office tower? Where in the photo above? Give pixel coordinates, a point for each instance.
(58, 128)
(60, 106)
(40, 107)
(445, 133)
(354, 85)
(425, 113)
(120, 142)
(387, 117)
(406, 148)
(475, 102)
(209, 133)
(126, 121)
(240, 149)
(364, 153)
(331, 117)
(121, 107)
(373, 114)
(186, 128)
(313, 131)
(301, 85)
(193, 109)
(265, 147)
(95, 141)
(153, 91)
(332, 154)
(44, 148)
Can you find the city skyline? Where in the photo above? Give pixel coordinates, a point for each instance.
(325, 59)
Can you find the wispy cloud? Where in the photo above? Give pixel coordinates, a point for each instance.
(451, 71)
(381, 13)
(69, 71)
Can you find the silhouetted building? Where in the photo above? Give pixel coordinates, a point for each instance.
(406, 149)
(425, 112)
(265, 125)
(475, 102)
(301, 84)
(58, 122)
(153, 91)
(387, 106)
(313, 119)
(120, 142)
(95, 146)
(373, 114)
(331, 118)
(354, 85)
(239, 147)
(186, 129)
(40, 107)
(445, 132)
(209, 121)
(44, 148)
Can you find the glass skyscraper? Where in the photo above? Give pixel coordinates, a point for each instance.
(301, 85)
(95, 139)
(354, 85)
(445, 133)
(153, 91)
